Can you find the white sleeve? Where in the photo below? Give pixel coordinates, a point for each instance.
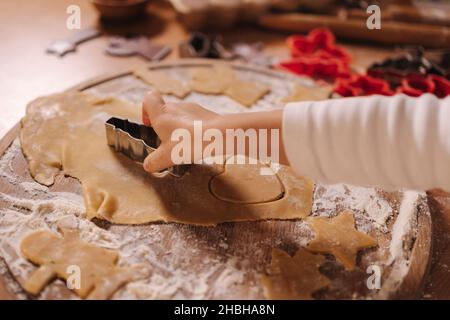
(387, 142)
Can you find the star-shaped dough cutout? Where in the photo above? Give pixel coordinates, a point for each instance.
(338, 236)
(294, 278)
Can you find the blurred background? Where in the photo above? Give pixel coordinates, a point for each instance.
(50, 45)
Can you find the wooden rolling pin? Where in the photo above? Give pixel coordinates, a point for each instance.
(398, 33)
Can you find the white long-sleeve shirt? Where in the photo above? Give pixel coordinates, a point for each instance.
(387, 142)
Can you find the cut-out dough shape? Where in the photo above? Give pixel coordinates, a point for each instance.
(99, 274)
(240, 183)
(294, 278)
(223, 80)
(67, 131)
(302, 93)
(245, 92)
(338, 236)
(162, 82)
(213, 80)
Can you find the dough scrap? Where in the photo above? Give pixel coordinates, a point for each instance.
(338, 236)
(294, 278)
(246, 93)
(213, 80)
(162, 82)
(100, 276)
(66, 131)
(223, 80)
(238, 186)
(302, 93)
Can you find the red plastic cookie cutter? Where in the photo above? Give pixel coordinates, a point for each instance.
(441, 86)
(317, 55)
(362, 85)
(416, 85)
(320, 43)
(315, 67)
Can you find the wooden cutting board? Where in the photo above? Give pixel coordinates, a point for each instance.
(227, 261)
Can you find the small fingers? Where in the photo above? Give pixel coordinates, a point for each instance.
(158, 160)
(152, 106)
(145, 118)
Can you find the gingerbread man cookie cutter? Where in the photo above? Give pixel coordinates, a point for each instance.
(63, 46)
(125, 47)
(137, 141)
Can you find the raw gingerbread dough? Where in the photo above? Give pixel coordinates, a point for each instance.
(223, 80)
(66, 131)
(162, 82)
(245, 92)
(294, 277)
(302, 93)
(213, 80)
(338, 236)
(99, 274)
(238, 186)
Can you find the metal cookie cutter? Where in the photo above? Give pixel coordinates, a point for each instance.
(137, 141)
(64, 46)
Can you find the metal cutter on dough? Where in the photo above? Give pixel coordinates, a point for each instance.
(136, 141)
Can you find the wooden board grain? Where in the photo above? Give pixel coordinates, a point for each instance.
(416, 279)
(242, 234)
(4, 293)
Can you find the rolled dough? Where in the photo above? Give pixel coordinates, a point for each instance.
(66, 131)
(212, 80)
(239, 186)
(302, 93)
(294, 278)
(223, 80)
(246, 92)
(162, 82)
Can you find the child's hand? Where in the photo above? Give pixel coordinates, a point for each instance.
(165, 118)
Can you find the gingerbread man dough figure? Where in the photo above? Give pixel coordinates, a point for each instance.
(56, 256)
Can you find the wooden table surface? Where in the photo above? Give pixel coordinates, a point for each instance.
(27, 72)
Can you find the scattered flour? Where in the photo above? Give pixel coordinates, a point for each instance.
(403, 235)
(51, 111)
(372, 208)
